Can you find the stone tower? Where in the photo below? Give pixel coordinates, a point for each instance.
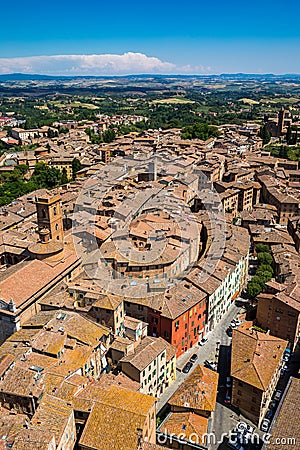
(281, 117)
(49, 215)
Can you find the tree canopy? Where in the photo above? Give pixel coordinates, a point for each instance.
(264, 134)
(201, 131)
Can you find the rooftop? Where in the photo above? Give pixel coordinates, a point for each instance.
(255, 356)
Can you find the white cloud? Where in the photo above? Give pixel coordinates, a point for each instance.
(105, 64)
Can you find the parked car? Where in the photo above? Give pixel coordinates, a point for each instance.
(265, 425)
(228, 382)
(203, 341)
(286, 357)
(227, 396)
(194, 358)
(273, 404)
(229, 331)
(277, 395)
(210, 364)
(283, 370)
(269, 414)
(187, 367)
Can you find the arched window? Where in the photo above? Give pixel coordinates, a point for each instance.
(44, 213)
(56, 227)
(54, 210)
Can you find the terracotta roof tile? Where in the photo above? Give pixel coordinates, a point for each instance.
(198, 391)
(255, 356)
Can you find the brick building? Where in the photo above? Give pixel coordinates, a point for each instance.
(256, 361)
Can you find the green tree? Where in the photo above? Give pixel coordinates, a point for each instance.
(53, 177)
(201, 131)
(262, 248)
(264, 258)
(64, 177)
(258, 280)
(22, 169)
(76, 166)
(253, 289)
(108, 135)
(264, 275)
(264, 134)
(266, 268)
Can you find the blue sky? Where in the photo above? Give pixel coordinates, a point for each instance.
(158, 36)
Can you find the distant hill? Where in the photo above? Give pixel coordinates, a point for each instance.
(232, 76)
(26, 77)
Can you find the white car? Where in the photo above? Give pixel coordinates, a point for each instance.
(265, 425)
(203, 341)
(210, 364)
(277, 395)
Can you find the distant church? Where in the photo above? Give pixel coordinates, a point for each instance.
(277, 126)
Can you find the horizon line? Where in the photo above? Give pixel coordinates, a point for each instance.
(150, 74)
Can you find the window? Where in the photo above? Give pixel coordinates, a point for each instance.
(240, 383)
(140, 307)
(239, 393)
(56, 227)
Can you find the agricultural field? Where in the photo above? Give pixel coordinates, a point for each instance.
(173, 101)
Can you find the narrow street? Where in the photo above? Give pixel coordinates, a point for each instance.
(208, 351)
